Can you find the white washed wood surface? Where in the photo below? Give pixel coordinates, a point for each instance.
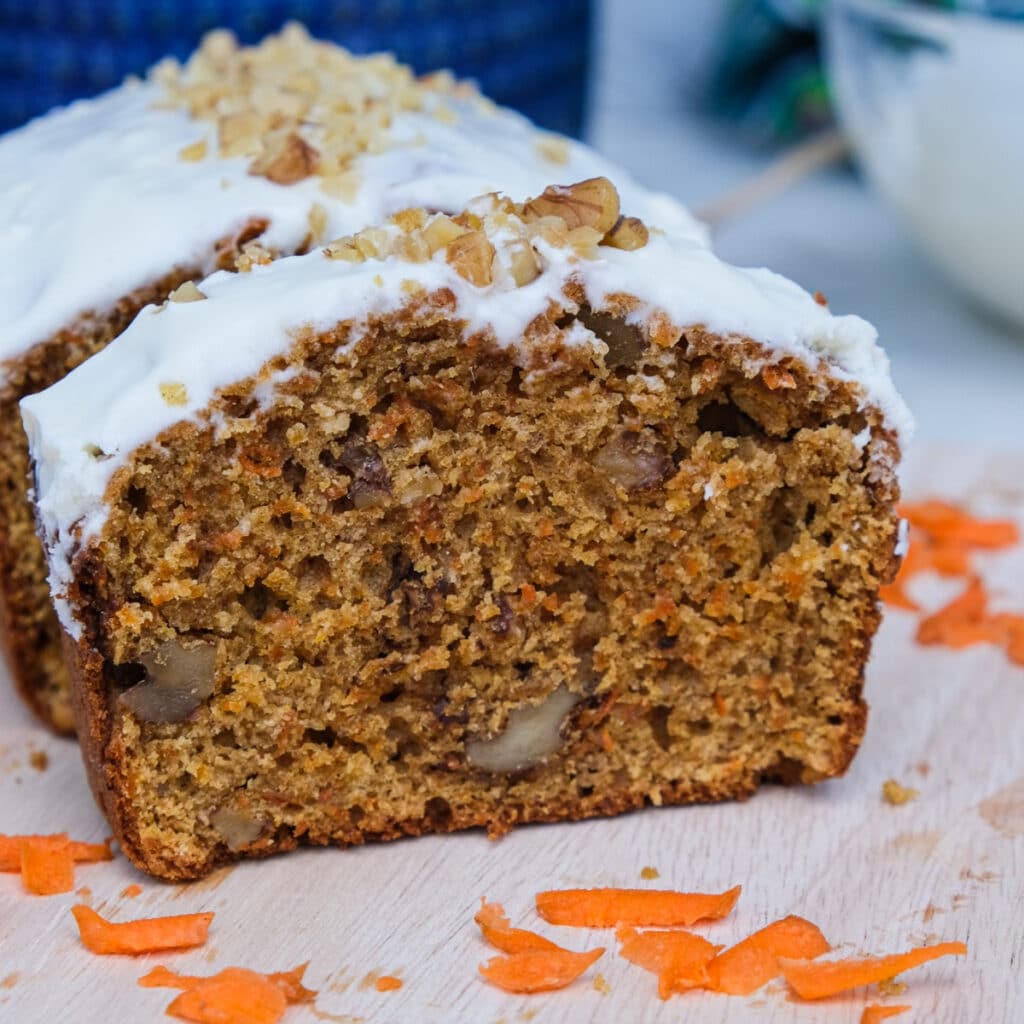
(876, 878)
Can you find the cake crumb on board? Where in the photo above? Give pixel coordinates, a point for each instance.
(897, 794)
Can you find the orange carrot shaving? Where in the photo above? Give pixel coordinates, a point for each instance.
(163, 977)
(1015, 647)
(606, 908)
(234, 996)
(538, 970)
(948, 524)
(131, 891)
(147, 935)
(47, 866)
(875, 1013)
(498, 933)
(959, 621)
(656, 951)
(289, 982)
(387, 983)
(895, 596)
(10, 850)
(817, 979)
(90, 853)
(748, 965)
(678, 958)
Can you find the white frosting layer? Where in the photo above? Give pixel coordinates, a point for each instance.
(96, 201)
(84, 428)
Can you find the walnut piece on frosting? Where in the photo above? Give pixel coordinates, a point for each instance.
(496, 240)
(297, 107)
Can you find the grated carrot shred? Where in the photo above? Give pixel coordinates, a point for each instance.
(679, 958)
(753, 962)
(538, 970)
(387, 983)
(875, 1013)
(497, 932)
(146, 935)
(607, 908)
(47, 865)
(811, 979)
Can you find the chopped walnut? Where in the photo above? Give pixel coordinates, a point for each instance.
(471, 255)
(553, 148)
(629, 233)
(178, 680)
(174, 393)
(286, 160)
(593, 203)
(634, 459)
(195, 152)
(532, 734)
(238, 828)
(187, 292)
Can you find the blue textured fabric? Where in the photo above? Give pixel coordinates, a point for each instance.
(531, 55)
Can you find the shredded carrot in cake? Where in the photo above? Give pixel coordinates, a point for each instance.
(820, 979)
(387, 983)
(875, 1013)
(607, 908)
(753, 962)
(538, 970)
(497, 932)
(47, 865)
(147, 935)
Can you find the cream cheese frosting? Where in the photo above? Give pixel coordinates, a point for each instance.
(108, 195)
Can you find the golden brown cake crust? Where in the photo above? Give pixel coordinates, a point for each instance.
(736, 534)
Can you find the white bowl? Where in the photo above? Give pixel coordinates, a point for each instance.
(933, 102)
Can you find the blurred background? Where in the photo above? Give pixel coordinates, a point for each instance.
(904, 201)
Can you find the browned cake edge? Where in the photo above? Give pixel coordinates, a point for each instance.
(111, 783)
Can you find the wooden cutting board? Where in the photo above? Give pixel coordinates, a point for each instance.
(876, 878)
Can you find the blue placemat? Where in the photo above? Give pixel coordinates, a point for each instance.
(531, 54)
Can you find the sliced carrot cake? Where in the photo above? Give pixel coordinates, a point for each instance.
(237, 157)
(534, 512)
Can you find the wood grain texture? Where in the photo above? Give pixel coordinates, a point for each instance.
(876, 878)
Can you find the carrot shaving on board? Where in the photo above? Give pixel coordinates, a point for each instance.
(655, 950)
(875, 1013)
(234, 996)
(146, 935)
(945, 523)
(812, 979)
(10, 850)
(131, 891)
(47, 866)
(497, 932)
(289, 982)
(753, 962)
(387, 983)
(538, 970)
(607, 908)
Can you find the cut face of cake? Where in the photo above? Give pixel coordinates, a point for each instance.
(535, 513)
(241, 156)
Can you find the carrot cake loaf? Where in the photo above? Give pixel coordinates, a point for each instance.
(531, 513)
(239, 156)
